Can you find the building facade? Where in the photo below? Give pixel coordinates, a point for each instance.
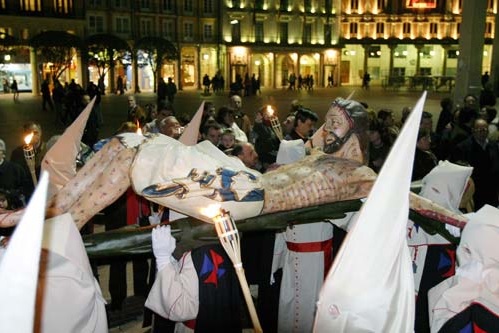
(398, 42)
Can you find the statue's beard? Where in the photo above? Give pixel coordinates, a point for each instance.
(333, 146)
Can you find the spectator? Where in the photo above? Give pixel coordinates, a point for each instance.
(390, 130)
(212, 131)
(39, 148)
(365, 81)
(378, 150)
(13, 178)
(15, 90)
(424, 159)
(267, 142)
(225, 117)
(304, 122)
(120, 87)
(171, 90)
(46, 99)
(136, 113)
(483, 156)
(246, 153)
(227, 141)
(241, 118)
(170, 126)
(165, 109)
(206, 84)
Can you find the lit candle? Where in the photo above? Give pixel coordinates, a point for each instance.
(229, 239)
(275, 123)
(139, 130)
(29, 156)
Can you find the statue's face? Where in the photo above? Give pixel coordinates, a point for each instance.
(337, 125)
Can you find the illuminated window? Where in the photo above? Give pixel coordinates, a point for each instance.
(307, 33)
(208, 6)
(30, 5)
(188, 5)
(354, 27)
(2, 4)
(96, 23)
(188, 31)
(168, 5)
(406, 28)
(208, 32)
(122, 24)
(236, 32)
(327, 33)
(63, 6)
(380, 28)
(381, 5)
(168, 29)
(283, 32)
(433, 28)
(259, 32)
(24, 34)
(488, 28)
(354, 4)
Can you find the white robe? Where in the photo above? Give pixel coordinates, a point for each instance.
(175, 292)
(303, 273)
(72, 298)
(476, 277)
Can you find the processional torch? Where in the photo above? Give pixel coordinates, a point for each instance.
(275, 123)
(29, 156)
(229, 238)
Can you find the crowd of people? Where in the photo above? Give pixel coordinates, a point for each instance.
(466, 135)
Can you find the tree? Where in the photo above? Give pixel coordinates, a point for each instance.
(104, 50)
(8, 45)
(155, 51)
(57, 47)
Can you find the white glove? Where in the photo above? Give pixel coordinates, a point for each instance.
(454, 231)
(163, 244)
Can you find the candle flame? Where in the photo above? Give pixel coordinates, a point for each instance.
(211, 211)
(270, 111)
(139, 130)
(28, 138)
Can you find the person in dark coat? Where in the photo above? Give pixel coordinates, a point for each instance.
(483, 156)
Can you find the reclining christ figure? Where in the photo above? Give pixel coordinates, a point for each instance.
(189, 178)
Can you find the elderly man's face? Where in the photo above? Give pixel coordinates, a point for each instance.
(37, 134)
(249, 156)
(480, 130)
(171, 127)
(131, 102)
(236, 102)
